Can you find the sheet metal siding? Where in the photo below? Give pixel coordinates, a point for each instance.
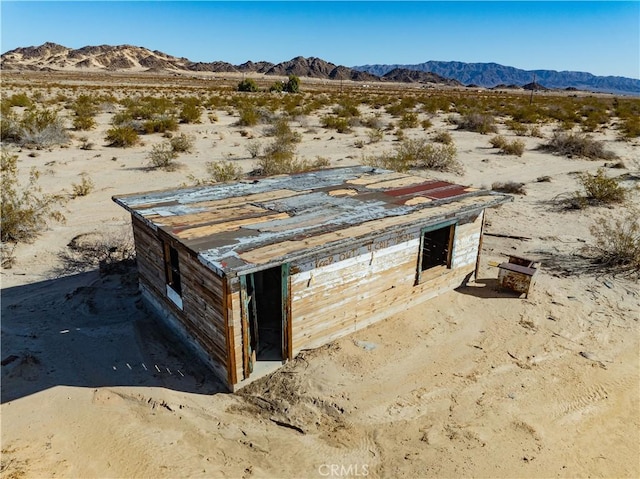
(203, 314)
(341, 297)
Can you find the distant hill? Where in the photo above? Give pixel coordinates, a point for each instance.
(411, 76)
(492, 74)
(54, 57)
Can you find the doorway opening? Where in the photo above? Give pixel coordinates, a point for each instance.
(264, 289)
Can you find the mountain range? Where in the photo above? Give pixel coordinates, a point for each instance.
(492, 74)
(54, 57)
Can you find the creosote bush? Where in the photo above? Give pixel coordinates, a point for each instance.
(223, 171)
(122, 136)
(41, 128)
(513, 147)
(443, 137)
(162, 156)
(26, 210)
(182, 143)
(600, 189)
(418, 153)
(576, 144)
(248, 85)
(477, 122)
(617, 242)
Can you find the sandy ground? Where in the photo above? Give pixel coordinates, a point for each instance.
(475, 383)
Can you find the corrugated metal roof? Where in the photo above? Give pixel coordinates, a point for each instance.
(236, 226)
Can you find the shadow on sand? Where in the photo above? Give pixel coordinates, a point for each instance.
(486, 288)
(90, 330)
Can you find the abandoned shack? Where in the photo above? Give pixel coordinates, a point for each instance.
(253, 272)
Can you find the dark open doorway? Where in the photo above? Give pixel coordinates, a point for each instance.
(265, 314)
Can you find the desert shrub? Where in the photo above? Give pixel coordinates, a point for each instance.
(182, 143)
(160, 124)
(498, 141)
(375, 135)
(281, 129)
(617, 242)
(162, 156)
(341, 125)
(85, 143)
(292, 85)
(536, 132)
(513, 147)
(347, 108)
(477, 122)
(253, 148)
(286, 164)
(600, 189)
(26, 210)
(517, 127)
(19, 99)
(222, 171)
(249, 115)
(443, 137)
(42, 128)
(248, 84)
(426, 123)
(122, 136)
(85, 110)
(576, 144)
(374, 122)
(630, 127)
(408, 120)
(9, 127)
(509, 187)
(418, 154)
(277, 87)
(83, 188)
(190, 111)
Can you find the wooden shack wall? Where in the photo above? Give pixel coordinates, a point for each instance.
(204, 302)
(341, 297)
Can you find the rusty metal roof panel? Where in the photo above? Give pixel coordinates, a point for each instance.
(239, 225)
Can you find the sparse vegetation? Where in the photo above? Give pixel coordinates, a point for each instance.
(477, 122)
(223, 171)
(182, 143)
(513, 147)
(85, 110)
(248, 85)
(122, 136)
(162, 156)
(600, 189)
(254, 147)
(443, 137)
(83, 188)
(578, 144)
(617, 242)
(26, 209)
(41, 128)
(418, 153)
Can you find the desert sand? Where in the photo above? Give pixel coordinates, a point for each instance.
(475, 383)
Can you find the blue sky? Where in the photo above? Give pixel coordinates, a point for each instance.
(602, 38)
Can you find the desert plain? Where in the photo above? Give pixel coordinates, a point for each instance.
(475, 383)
